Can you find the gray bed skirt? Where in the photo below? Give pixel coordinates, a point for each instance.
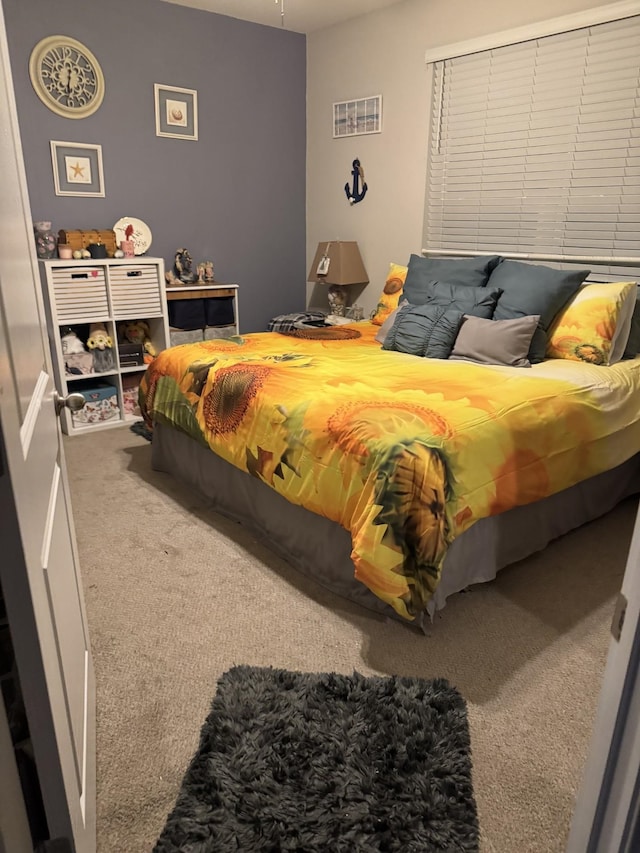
(321, 549)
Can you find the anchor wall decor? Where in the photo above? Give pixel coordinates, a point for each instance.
(355, 194)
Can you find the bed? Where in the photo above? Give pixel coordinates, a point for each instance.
(392, 479)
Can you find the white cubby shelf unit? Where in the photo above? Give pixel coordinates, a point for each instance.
(80, 293)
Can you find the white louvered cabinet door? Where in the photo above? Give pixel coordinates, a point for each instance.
(107, 292)
(136, 291)
(80, 295)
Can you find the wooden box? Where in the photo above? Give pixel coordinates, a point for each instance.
(82, 239)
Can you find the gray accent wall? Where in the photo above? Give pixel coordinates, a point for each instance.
(237, 195)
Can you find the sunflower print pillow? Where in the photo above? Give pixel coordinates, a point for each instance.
(391, 294)
(594, 324)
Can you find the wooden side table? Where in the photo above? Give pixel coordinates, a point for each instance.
(206, 292)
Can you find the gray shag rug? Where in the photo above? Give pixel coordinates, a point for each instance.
(292, 761)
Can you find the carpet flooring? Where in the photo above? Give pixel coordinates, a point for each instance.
(321, 762)
(177, 595)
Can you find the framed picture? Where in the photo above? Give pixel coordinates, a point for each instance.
(176, 112)
(354, 118)
(77, 169)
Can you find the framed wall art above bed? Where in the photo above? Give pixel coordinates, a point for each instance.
(397, 478)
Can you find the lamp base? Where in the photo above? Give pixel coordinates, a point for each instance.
(337, 299)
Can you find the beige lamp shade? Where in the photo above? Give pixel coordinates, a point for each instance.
(344, 263)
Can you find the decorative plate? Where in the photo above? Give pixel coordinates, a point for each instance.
(141, 236)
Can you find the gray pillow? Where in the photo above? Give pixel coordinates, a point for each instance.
(383, 331)
(495, 341)
(477, 301)
(468, 272)
(529, 289)
(425, 330)
(633, 341)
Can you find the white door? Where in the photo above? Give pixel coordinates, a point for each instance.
(38, 560)
(608, 806)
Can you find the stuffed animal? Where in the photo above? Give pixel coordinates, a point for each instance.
(71, 343)
(77, 361)
(101, 344)
(138, 332)
(99, 338)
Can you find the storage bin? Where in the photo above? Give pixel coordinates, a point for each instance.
(187, 314)
(134, 291)
(79, 293)
(219, 311)
(180, 336)
(212, 333)
(101, 405)
(130, 393)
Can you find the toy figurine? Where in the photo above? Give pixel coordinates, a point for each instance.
(127, 246)
(182, 267)
(101, 344)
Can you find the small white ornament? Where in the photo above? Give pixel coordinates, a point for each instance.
(77, 254)
(118, 253)
(86, 253)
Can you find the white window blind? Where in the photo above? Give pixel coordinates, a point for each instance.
(535, 148)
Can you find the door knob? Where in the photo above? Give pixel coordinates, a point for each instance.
(74, 402)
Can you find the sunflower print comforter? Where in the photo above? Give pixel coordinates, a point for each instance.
(406, 453)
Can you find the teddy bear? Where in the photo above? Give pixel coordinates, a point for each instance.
(138, 332)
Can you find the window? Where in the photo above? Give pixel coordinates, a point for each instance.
(535, 147)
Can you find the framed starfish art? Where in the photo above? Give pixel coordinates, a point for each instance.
(77, 169)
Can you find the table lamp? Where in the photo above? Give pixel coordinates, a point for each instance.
(338, 263)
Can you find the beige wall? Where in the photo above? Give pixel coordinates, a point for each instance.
(383, 53)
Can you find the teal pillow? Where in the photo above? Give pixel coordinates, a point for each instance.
(534, 289)
(425, 330)
(476, 301)
(469, 272)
